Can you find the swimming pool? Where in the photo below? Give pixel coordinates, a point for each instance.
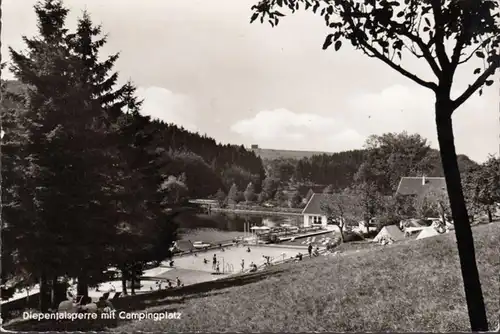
(230, 259)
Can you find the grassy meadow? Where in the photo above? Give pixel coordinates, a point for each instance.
(412, 286)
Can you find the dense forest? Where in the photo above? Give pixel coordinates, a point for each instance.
(338, 170)
(207, 165)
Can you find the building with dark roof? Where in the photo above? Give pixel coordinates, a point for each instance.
(416, 186)
(313, 214)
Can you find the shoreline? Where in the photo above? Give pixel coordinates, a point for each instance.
(258, 211)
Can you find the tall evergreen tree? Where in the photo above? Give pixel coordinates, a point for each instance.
(63, 144)
(232, 196)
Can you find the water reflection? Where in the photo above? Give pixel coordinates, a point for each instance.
(227, 225)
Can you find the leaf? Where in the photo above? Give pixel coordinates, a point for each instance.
(479, 54)
(477, 71)
(330, 10)
(427, 21)
(315, 8)
(488, 82)
(338, 44)
(426, 29)
(280, 2)
(254, 17)
(480, 92)
(400, 14)
(328, 41)
(278, 13)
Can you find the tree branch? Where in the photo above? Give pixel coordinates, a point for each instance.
(478, 83)
(439, 37)
(405, 31)
(377, 54)
(457, 51)
(380, 56)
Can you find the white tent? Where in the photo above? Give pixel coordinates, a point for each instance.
(428, 232)
(393, 232)
(255, 228)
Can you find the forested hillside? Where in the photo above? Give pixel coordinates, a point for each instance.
(338, 170)
(208, 165)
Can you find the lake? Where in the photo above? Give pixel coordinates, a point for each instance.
(217, 227)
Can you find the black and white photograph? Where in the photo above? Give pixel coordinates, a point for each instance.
(251, 166)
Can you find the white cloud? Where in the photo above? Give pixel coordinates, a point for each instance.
(398, 108)
(393, 109)
(282, 128)
(163, 104)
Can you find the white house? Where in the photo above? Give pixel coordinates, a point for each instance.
(313, 215)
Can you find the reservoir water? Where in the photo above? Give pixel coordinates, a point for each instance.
(218, 227)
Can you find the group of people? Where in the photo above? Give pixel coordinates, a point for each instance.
(169, 284)
(311, 252)
(216, 263)
(84, 304)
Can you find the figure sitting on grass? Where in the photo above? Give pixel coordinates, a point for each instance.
(104, 305)
(171, 263)
(205, 261)
(248, 249)
(299, 257)
(316, 251)
(178, 281)
(253, 267)
(268, 260)
(217, 269)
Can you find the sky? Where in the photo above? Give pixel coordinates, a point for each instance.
(202, 65)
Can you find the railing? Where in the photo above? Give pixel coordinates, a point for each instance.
(229, 268)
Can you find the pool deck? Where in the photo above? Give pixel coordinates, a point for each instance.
(305, 235)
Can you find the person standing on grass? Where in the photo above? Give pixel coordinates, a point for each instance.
(309, 249)
(242, 264)
(218, 268)
(178, 281)
(214, 262)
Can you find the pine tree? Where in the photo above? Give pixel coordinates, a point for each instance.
(328, 189)
(295, 200)
(16, 199)
(249, 193)
(280, 197)
(54, 113)
(232, 196)
(220, 197)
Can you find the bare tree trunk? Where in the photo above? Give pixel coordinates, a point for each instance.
(44, 293)
(463, 232)
(124, 282)
(82, 286)
(341, 229)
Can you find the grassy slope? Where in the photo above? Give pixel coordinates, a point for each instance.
(414, 286)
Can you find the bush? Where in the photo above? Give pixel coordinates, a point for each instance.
(351, 236)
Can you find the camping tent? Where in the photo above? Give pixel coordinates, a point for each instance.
(428, 232)
(393, 232)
